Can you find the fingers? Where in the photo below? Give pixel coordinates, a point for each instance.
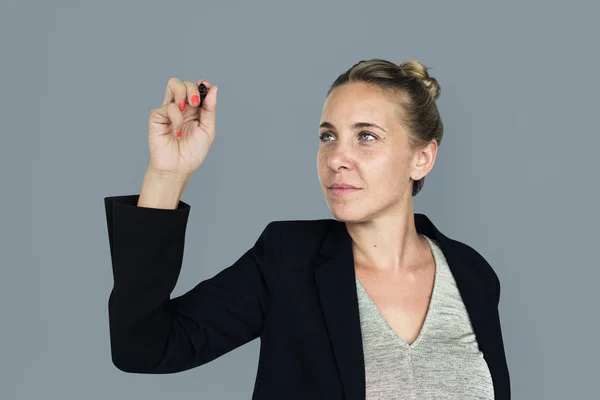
(168, 114)
(183, 93)
(179, 94)
(176, 118)
(176, 92)
(193, 94)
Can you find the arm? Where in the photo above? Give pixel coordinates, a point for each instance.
(151, 333)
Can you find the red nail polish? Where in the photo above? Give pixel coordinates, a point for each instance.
(195, 100)
(182, 106)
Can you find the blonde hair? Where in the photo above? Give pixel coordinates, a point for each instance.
(414, 90)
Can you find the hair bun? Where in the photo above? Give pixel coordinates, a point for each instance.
(418, 71)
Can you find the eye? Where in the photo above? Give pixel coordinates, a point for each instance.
(367, 133)
(323, 135)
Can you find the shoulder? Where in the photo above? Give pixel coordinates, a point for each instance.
(306, 229)
(461, 255)
(479, 266)
(299, 232)
(303, 227)
(287, 246)
(302, 235)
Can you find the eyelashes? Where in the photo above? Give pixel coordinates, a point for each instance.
(325, 134)
(322, 136)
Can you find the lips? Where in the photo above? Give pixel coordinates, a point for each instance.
(341, 190)
(342, 186)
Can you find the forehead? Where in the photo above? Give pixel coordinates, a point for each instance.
(357, 101)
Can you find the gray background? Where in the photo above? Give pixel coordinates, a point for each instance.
(514, 177)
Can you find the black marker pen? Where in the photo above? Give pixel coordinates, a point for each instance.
(203, 92)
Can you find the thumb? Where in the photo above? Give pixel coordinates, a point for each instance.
(207, 113)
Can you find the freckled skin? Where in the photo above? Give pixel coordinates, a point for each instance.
(380, 165)
(394, 265)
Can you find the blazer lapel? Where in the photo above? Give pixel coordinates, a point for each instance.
(483, 314)
(336, 285)
(472, 290)
(335, 279)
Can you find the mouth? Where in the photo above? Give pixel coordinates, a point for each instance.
(342, 190)
(342, 186)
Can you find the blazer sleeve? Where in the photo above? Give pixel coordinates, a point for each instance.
(152, 333)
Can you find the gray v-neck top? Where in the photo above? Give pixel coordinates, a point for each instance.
(443, 363)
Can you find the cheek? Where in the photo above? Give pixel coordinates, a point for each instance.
(321, 160)
(321, 165)
(377, 163)
(320, 156)
(324, 154)
(385, 169)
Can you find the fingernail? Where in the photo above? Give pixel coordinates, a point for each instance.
(178, 133)
(195, 100)
(182, 106)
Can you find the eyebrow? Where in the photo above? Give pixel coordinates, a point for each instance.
(357, 125)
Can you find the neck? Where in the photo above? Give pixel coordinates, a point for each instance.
(388, 243)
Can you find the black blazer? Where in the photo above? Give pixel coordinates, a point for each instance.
(295, 289)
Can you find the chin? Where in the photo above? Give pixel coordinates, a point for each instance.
(348, 213)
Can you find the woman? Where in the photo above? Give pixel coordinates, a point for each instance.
(376, 303)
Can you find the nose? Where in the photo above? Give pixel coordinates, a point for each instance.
(339, 158)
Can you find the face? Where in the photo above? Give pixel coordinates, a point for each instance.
(364, 144)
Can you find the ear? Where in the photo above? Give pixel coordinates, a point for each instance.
(423, 160)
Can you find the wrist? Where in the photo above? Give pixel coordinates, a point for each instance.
(161, 190)
(162, 176)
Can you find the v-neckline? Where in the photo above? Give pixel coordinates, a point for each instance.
(430, 307)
